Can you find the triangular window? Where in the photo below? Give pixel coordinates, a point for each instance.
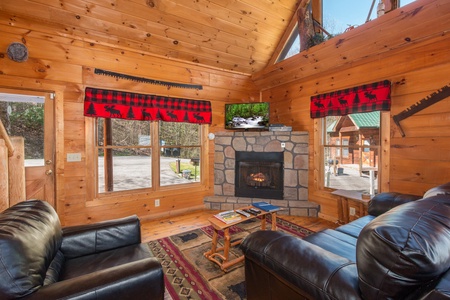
(336, 20)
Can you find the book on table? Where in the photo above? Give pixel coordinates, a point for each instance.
(228, 217)
(266, 206)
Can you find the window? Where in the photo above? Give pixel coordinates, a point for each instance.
(292, 46)
(337, 17)
(145, 155)
(350, 151)
(337, 149)
(343, 15)
(345, 150)
(180, 153)
(23, 115)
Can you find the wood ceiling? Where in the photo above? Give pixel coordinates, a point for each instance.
(237, 35)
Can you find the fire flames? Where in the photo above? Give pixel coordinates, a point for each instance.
(259, 177)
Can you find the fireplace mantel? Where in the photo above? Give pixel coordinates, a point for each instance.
(294, 146)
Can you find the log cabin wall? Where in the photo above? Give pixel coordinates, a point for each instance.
(65, 64)
(409, 47)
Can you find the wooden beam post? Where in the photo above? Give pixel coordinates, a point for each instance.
(4, 193)
(16, 171)
(4, 135)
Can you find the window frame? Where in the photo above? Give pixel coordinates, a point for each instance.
(383, 150)
(292, 32)
(92, 165)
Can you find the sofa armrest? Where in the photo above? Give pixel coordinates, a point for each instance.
(141, 279)
(311, 269)
(383, 202)
(93, 238)
(440, 289)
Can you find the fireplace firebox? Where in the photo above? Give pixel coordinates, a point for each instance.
(259, 174)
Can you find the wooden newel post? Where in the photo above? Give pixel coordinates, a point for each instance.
(16, 171)
(4, 191)
(4, 135)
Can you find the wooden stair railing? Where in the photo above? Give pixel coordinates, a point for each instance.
(4, 135)
(12, 169)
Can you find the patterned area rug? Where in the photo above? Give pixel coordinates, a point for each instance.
(189, 275)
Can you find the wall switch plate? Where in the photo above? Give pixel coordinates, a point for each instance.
(352, 211)
(283, 145)
(157, 203)
(73, 157)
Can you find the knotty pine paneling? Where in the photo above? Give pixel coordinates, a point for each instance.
(392, 31)
(222, 88)
(68, 70)
(202, 31)
(414, 163)
(408, 47)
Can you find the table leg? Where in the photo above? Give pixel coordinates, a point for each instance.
(263, 222)
(226, 243)
(214, 244)
(274, 220)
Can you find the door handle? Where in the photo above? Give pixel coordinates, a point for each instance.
(48, 172)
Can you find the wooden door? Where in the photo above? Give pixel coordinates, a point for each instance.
(40, 179)
(39, 165)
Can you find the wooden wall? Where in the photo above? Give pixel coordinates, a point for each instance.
(411, 48)
(64, 64)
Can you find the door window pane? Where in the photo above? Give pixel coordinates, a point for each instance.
(23, 115)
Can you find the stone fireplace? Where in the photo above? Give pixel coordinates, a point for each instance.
(259, 174)
(291, 147)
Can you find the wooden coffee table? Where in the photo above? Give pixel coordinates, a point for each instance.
(222, 259)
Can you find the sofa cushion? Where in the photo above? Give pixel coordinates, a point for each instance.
(30, 236)
(443, 189)
(336, 242)
(89, 239)
(88, 264)
(405, 248)
(354, 228)
(384, 202)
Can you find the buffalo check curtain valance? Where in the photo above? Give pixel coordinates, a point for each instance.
(134, 106)
(364, 98)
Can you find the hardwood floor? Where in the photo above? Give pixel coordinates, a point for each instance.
(158, 228)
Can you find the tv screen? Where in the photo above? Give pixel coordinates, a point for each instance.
(247, 115)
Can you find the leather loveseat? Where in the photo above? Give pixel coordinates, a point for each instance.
(41, 260)
(401, 250)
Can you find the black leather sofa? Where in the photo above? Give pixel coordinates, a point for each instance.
(41, 260)
(401, 250)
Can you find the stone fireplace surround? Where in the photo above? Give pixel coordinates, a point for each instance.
(226, 143)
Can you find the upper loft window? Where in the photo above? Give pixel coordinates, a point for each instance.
(338, 17)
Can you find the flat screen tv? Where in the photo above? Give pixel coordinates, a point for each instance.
(247, 115)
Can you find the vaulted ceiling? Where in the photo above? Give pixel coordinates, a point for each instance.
(238, 35)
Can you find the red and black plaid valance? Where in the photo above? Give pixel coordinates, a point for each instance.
(364, 98)
(133, 106)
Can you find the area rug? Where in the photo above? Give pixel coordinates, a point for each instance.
(189, 275)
